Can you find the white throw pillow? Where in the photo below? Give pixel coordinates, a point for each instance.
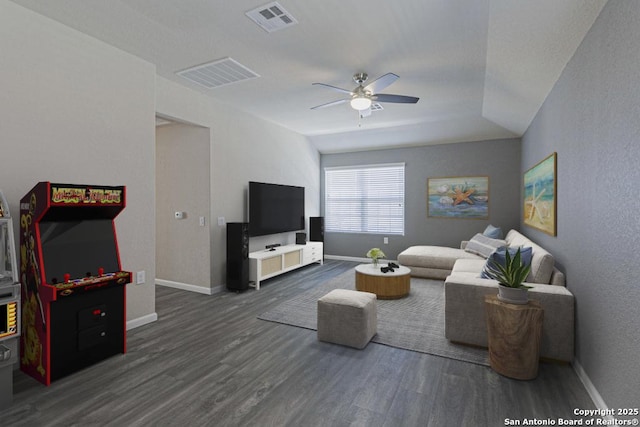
(483, 245)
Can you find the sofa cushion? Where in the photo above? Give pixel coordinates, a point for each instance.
(469, 266)
(542, 262)
(473, 268)
(483, 245)
(433, 257)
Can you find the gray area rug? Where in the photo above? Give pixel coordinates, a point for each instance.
(415, 322)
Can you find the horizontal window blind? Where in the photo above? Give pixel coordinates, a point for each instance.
(365, 199)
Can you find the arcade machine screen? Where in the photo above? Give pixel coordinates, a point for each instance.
(78, 248)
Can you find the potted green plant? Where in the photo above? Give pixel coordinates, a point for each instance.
(510, 277)
(375, 254)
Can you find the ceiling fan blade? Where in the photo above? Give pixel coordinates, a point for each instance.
(339, 89)
(381, 82)
(331, 104)
(401, 99)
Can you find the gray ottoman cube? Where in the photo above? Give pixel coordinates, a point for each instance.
(347, 317)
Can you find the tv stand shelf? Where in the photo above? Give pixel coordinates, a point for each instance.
(267, 263)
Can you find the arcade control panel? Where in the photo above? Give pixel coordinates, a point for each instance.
(68, 286)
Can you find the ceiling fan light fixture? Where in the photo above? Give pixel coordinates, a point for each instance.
(360, 103)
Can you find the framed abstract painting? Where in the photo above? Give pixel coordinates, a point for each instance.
(460, 197)
(540, 191)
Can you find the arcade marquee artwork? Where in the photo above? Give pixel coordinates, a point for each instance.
(74, 290)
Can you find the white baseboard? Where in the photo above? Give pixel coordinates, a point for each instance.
(357, 259)
(218, 289)
(598, 401)
(188, 287)
(346, 258)
(141, 321)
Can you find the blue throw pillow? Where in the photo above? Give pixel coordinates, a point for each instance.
(493, 232)
(499, 256)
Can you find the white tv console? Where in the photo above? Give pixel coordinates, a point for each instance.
(266, 263)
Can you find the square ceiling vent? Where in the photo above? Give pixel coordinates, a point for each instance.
(217, 73)
(272, 17)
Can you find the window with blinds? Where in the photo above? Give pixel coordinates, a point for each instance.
(365, 199)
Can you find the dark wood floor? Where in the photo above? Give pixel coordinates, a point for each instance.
(208, 361)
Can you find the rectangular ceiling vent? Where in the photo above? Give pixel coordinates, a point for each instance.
(376, 107)
(217, 73)
(272, 17)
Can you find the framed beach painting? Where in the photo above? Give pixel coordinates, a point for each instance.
(459, 197)
(540, 190)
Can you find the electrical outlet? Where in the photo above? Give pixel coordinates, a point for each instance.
(221, 221)
(386, 240)
(140, 277)
(202, 221)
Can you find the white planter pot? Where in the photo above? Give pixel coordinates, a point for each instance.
(513, 295)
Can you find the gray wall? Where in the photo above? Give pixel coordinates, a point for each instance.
(592, 120)
(500, 160)
(75, 110)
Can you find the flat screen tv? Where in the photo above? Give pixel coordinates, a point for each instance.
(275, 208)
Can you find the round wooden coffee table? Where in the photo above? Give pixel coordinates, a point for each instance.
(390, 285)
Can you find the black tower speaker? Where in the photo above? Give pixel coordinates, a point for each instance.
(316, 229)
(237, 256)
(301, 238)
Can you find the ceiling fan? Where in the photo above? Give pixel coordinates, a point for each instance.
(362, 97)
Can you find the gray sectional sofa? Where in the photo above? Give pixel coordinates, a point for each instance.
(464, 289)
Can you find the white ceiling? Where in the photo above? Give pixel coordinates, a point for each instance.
(481, 68)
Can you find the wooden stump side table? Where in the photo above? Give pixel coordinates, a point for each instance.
(514, 334)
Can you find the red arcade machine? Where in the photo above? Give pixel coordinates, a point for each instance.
(74, 296)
